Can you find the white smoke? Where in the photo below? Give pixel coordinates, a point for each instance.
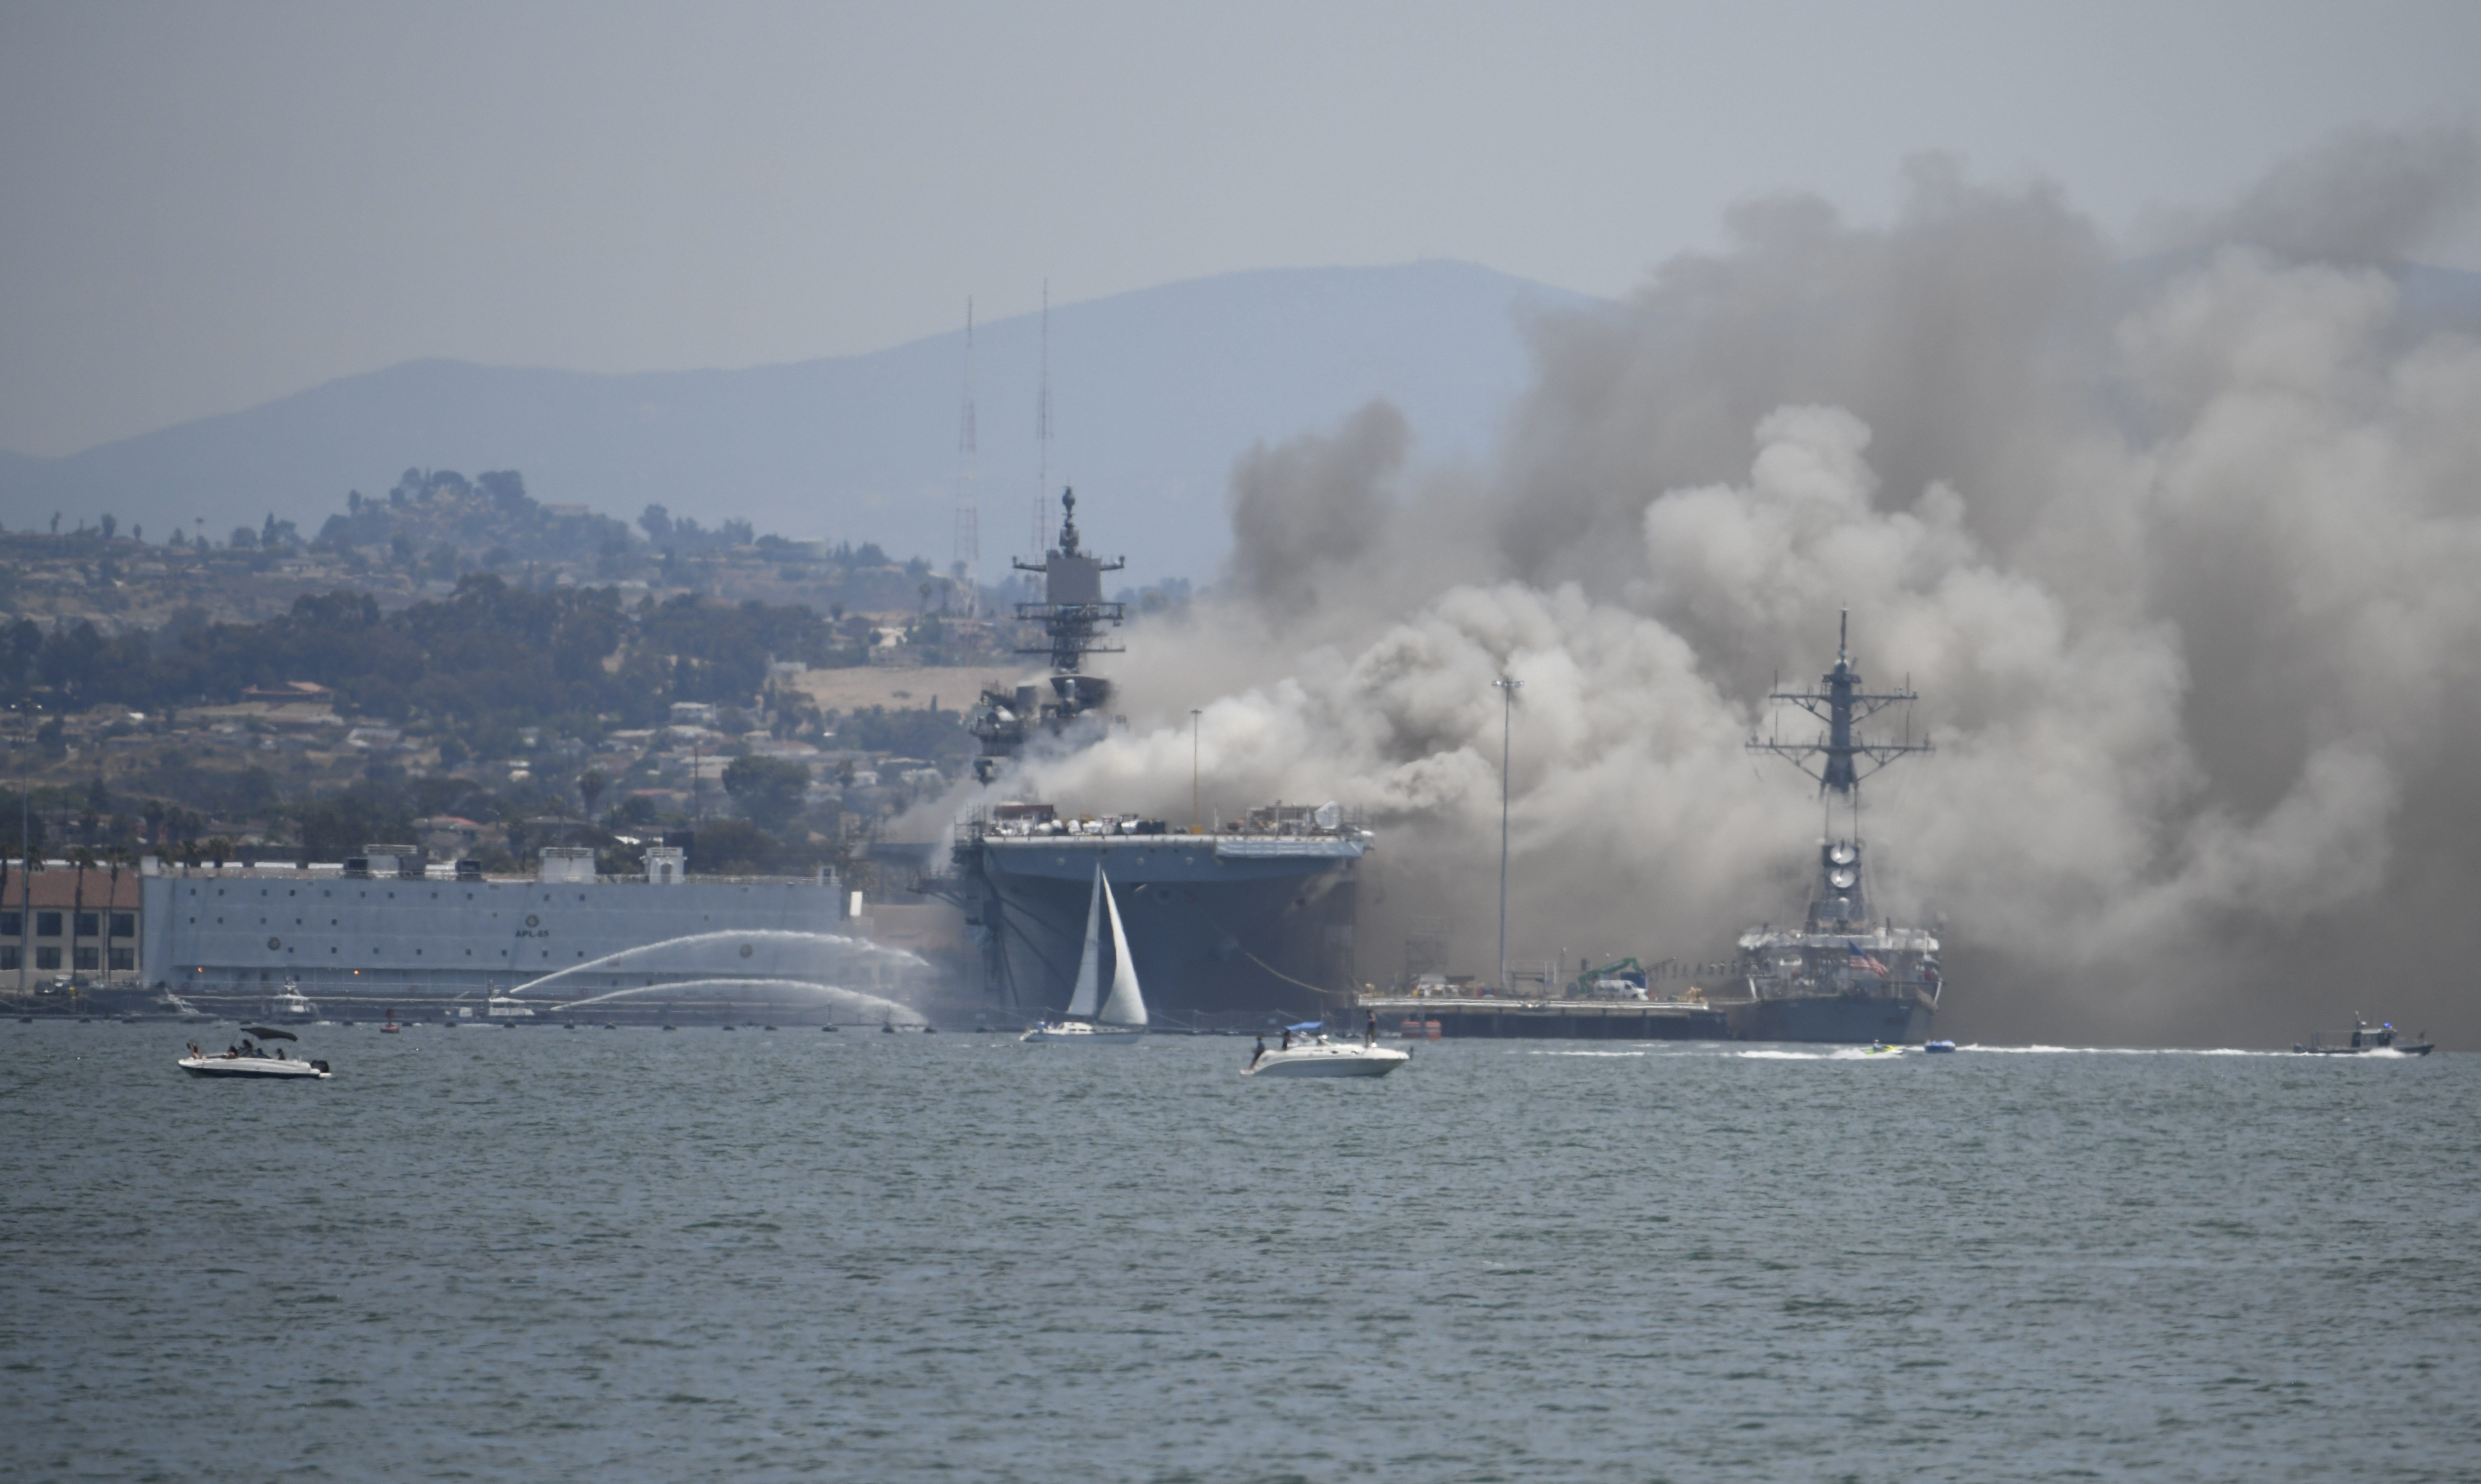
(2180, 556)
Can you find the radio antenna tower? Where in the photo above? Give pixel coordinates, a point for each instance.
(966, 570)
(1042, 432)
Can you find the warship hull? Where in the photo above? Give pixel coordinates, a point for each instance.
(1848, 1018)
(1225, 931)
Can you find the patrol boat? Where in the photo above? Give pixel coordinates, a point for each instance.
(1232, 923)
(2365, 1040)
(1842, 974)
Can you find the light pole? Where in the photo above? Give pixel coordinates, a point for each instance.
(1507, 689)
(1192, 770)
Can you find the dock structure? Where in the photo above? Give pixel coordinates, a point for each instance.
(1588, 1019)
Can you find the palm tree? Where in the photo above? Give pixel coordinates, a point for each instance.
(115, 856)
(83, 858)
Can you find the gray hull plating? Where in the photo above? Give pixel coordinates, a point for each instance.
(1221, 931)
(1851, 1020)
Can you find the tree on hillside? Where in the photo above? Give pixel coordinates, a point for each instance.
(768, 789)
(734, 848)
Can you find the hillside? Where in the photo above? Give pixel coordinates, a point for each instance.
(1153, 395)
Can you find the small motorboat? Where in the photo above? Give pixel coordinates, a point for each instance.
(1881, 1049)
(1316, 1055)
(291, 1005)
(1938, 1046)
(2364, 1040)
(252, 1060)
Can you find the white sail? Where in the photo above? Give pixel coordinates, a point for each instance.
(1081, 1004)
(1126, 1006)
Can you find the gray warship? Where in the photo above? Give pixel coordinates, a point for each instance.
(1228, 922)
(1842, 974)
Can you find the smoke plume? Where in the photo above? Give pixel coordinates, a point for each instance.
(2179, 555)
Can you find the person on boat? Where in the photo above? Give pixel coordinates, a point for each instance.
(1260, 1052)
(1288, 1038)
(1370, 1033)
(279, 1053)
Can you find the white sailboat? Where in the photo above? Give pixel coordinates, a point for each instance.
(1123, 1014)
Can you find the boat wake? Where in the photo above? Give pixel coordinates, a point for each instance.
(2114, 1051)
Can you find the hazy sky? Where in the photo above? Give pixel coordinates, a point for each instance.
(206, 205)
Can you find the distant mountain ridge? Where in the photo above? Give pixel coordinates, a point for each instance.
(1153, 393)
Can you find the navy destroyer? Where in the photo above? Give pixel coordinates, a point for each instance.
(1842, 974)
(1228, 922)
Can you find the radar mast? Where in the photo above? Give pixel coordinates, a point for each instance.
(1838, 760)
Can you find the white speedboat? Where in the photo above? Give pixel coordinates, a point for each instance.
(252, 1059)
(1318, 1057)
(1122, 1018)
(291, 1005)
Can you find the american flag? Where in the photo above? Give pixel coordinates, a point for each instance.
(1865, 962)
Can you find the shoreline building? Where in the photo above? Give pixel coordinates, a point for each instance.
(385, 929)
(62, 922)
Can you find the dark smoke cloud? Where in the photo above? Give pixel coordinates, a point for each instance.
(2178, 556)
(2368, 195)
(1313, 507)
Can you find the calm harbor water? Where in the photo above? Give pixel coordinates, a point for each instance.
(545, 1255)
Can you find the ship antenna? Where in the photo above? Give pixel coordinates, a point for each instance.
(969, 516)
(1042, 432)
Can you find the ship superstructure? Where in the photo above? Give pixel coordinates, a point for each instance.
(1227, 924)
(1072, 612)
(1842, 974)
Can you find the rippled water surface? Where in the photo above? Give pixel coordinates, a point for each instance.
(549, 1255)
